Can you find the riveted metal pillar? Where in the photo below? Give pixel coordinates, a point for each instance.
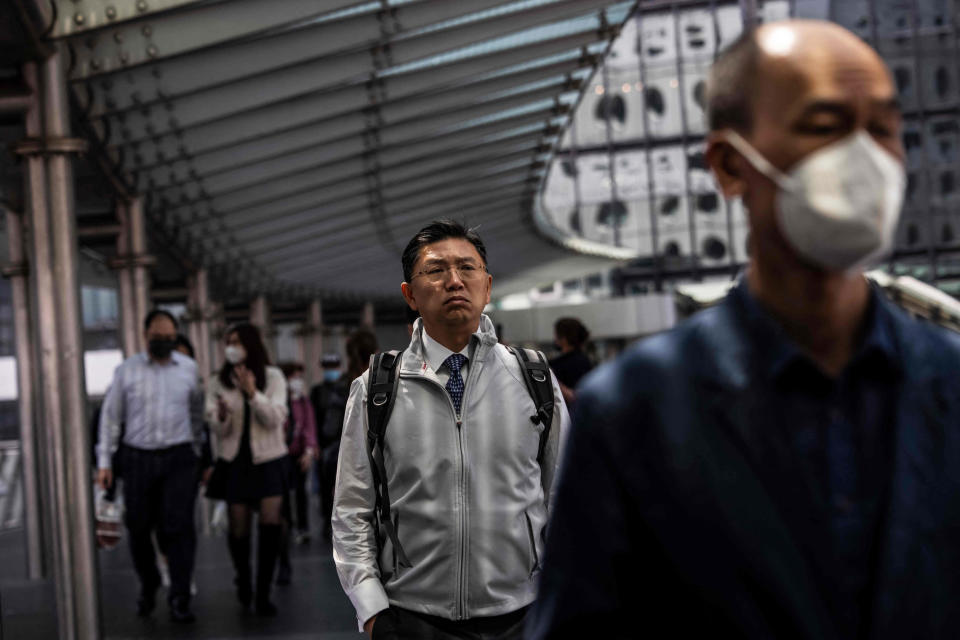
(260, 318)
(199, 313)
(17, 271)
(367, 317)
(62, 396)
(132, 265)
(129, 321)
(313, 343)
(218, 332)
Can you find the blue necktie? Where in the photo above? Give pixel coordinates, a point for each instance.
(455, 384)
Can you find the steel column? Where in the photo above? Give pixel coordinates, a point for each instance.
(82, 568)
(129, 321)
(61, 402)
(313, 337)
(17, 272)
(260, 318)
(368, 317)
(138, 250)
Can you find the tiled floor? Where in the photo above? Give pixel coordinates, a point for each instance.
(313, 606)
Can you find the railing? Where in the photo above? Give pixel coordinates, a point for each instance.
(11, 486)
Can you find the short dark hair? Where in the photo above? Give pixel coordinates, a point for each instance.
(732, 83)
(290, 368)
(361, 344)
(156, 313)
(184, 341)
(571, 330)
(435, 232)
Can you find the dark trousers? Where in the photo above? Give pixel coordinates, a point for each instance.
(402, 624)
(300, 495)
(159, 491)
(328, 481)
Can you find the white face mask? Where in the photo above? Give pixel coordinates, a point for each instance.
(838, 207)
(296, 387)
(235, 354)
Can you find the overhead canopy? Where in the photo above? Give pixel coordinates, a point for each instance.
(295, 150)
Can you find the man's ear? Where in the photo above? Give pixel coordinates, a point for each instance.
(407, 292)
(727, 166)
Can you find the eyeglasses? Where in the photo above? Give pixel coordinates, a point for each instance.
(438, 273)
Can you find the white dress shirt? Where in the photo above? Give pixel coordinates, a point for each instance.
(436, 354)
(160, 405)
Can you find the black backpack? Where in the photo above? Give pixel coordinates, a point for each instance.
(382, 391)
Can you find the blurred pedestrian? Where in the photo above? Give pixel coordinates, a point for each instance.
(329, 400)
(301, 434)
(464, 435)
(786, 464)
(157, 399)
(572, 364)
(246, 409)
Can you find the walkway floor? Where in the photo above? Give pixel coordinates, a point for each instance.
(313, 606)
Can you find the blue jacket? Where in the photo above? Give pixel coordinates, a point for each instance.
(671, 520)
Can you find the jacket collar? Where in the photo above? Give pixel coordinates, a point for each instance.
(416, 362)
(925, 402)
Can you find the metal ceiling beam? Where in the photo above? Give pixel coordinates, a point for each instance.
(348, 212)
(206, 107)
(278, 190)
(191, 26)
(391, 133)
(396, 175)
(332, 225)
(275, 147)
(271, 71)
(360, 241)
(399, 191)
(91, 15)
(319, 198)
(485, 184)
(295, 118)
(172, 75)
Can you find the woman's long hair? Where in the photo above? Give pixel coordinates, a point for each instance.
(360, 346)
(257, 358)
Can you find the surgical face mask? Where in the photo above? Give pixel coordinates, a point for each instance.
(331, 375)
(296, 387)
(161, 348)
(838, 207)
(235, 354)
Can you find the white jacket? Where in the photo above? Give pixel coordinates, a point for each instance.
(470, 503)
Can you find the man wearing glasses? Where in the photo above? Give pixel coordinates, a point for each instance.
(467, 463)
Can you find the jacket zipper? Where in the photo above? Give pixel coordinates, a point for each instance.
(461, 605)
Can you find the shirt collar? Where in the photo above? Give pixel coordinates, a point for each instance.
(174, 358)
(775, 352)
(436, 353)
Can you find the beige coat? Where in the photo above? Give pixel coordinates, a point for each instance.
(268, 415)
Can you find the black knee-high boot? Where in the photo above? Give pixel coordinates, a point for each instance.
(268, 547)
(285, 570)
(240, 552)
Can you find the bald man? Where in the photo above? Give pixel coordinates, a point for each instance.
(787, 464)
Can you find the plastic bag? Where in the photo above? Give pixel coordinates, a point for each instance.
(109, 520)
(218, 519)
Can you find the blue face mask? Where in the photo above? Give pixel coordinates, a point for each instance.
(331, 375)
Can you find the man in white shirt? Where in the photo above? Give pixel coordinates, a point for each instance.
(156, 399)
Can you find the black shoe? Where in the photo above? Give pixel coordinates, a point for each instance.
(266, 608)
(180, 611)
(147, 601)
(268, 548)
(240, 552)
(283, 575)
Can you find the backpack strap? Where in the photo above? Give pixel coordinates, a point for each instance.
(381, 392)
(536, 375)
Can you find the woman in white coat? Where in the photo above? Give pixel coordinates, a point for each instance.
(246, 408)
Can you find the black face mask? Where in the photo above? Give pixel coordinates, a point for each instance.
(161, 348)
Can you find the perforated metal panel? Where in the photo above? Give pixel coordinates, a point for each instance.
(631, 172)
